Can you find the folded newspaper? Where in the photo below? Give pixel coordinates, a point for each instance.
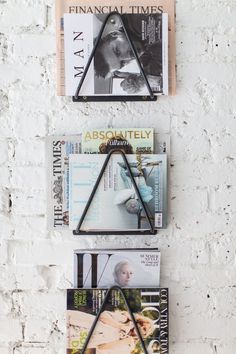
(58, 150)
(114, 70)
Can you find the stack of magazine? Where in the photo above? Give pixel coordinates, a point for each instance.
(137, 272)
(75, 163)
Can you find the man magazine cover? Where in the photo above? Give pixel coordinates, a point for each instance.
(115, 69)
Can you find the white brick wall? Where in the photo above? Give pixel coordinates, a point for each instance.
(199, 247)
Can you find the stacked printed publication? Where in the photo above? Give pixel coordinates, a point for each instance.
(114, 69)
(137, 272)
(117, 304)
(75, 163)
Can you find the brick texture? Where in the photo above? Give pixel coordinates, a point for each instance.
(198, 248)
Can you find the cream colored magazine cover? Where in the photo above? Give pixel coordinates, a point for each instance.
(131, 140)
(101, 7)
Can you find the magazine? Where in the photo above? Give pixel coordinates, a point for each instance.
(115, 331)
(124, 267)
(141, 140)
(124, 6)
(130, 140)
(58, 149)
(115, 205)
(115, 70)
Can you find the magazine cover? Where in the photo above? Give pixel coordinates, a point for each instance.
(126, 268)
(115, 332)
(130, 140)
(58, 149)
(115, 205)
(114, 70)
(124, 6)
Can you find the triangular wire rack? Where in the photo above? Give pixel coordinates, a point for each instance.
(108, 294)
(150, 231)
(95, 98)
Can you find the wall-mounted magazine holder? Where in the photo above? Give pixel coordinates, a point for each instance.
(96, 98)
(108, 294)
(150, 231)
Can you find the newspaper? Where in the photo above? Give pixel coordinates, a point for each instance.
(115, 69)
(58, 149)
(101, 7)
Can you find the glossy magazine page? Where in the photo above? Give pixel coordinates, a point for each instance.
(125, 6)
(125, 268)
(114, 332)
(115, 70)
(130, 140)
(115, 205)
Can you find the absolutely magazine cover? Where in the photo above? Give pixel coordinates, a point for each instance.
(130, 140)
(114, 332)
(125, 267)
(114, 69)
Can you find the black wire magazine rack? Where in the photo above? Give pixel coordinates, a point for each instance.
(150, 231)
(95, 98)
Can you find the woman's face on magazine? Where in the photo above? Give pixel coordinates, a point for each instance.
(125, 275)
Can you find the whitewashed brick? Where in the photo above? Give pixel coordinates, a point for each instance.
(30, 152)
(29, 228)
(193, 348)
(30, 16)
(28, 204)
(36, 45)
(42, 252)
(6, 326)
(29, 74)
(28, 178)
(3, 251)
(43, 305)
(4, 151)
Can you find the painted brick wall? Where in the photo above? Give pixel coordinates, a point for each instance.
(198, 248)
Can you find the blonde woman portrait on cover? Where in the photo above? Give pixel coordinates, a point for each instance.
(114, 332)
(123, 273)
